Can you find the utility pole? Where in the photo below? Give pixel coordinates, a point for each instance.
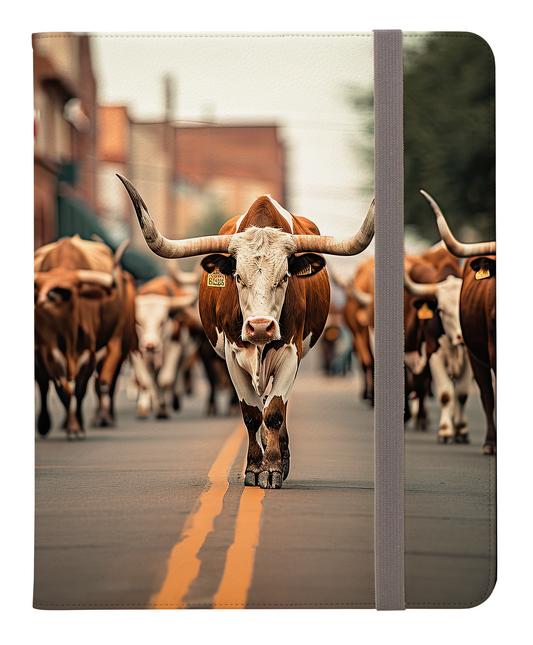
(170, 147)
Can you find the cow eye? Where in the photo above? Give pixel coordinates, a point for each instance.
(283, 280)
(239, 279)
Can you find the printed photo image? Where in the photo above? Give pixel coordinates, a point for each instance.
(204, 321)
(204, 225)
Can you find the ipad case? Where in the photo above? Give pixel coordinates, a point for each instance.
(265, 305)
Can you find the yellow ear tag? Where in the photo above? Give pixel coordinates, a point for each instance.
(482, 274)
(307, 271)
(216, 279)
(425, 313)
(332, 333)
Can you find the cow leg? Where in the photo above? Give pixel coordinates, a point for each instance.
(253, 419)
(43, 381)
(276, 458)
(283, 365)
(251, 408)
(145, 383)
(420, 388)
(462, 390)
(483, 376)
(75, 425)
(167, 377)
(106, 375)
(444, 392)
(208, 360)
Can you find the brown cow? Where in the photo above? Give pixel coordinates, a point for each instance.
(359, 316)
(83, 303)
(436, 300)
(477, 314)
(263, 300)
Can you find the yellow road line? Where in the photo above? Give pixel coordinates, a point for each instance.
(183, 564)
(233, 590)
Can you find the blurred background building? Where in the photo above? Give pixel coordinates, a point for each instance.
(193, 176)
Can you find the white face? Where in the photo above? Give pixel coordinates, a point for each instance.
(448, 294)
(153, 323)
(262, 276)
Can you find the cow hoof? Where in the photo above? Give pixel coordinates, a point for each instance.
(263, 479)
(442, 439)
(462, 438)
(176, 403)
(277, 480)
(250, 478)
(75, 434)
(489, 449)
(211, 410)
(266, 479)
(103, 421)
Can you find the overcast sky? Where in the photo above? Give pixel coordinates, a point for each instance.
(302, 83)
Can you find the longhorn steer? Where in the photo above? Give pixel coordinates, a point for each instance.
(83, 304)
(263, 301)
(164, 345)
(450, 369)
(477, 307)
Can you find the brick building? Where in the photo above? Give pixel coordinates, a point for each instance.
(193, 177)
(64, 127)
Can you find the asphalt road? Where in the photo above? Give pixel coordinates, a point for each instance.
(154, 513)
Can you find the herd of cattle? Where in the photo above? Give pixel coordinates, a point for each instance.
(258, 303)
(450, 330)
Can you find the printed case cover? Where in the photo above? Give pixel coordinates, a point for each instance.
(166, 473)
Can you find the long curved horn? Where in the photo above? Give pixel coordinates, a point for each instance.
(417, 288)
(340, 245)
(117, 257)
(454, 246)
(172, 248)
(95, 277)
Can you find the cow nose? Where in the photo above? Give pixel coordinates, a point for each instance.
(150, 345)
(260, 328)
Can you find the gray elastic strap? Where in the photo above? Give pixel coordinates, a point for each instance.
(389, 332)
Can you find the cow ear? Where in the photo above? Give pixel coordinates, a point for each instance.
(484, 265)
(58, 294)
(306, 264)
(226, 264)
(432, 304)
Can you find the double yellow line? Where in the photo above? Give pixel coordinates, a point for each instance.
(184, 564)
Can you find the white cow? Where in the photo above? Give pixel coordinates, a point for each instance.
(164, 348)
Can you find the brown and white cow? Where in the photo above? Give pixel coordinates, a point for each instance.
(437, 306)
(477, 315)
(263, 300)
(84, 304)
(164, 345)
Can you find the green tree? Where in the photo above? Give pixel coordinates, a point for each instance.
(448, 132)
